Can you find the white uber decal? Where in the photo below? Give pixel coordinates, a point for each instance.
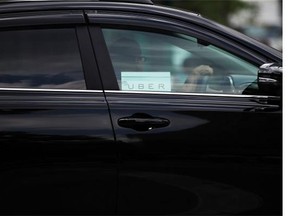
(146, 81)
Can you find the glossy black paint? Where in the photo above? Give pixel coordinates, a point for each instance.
(69, 152)
(218, 155)
(270, 79)
(57, 153)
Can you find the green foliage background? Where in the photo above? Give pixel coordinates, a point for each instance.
(217, 10)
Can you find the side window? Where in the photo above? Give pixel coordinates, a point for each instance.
(41, 59)
(172, 62)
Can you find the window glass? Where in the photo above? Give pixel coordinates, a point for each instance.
(45, 59)
(147, 61)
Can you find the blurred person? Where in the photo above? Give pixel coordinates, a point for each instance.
(195, 74)
(126, 55)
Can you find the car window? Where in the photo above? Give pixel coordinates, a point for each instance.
(40, 58)
(172, 62)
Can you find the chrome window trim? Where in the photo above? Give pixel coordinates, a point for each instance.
(136, 92)
(192, 94)
(52, 90)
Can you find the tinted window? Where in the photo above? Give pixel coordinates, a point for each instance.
(47, 59)
(172, 62)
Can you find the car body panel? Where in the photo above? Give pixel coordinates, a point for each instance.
(53, 148)
(213, 152)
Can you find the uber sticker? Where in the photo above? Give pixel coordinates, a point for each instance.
(146, 81)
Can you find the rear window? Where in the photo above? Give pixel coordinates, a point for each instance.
(41, 59)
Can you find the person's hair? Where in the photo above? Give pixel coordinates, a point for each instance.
(188, 62)
(193, 62)
(125, 47)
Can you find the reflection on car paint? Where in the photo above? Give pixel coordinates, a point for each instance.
(212, 197)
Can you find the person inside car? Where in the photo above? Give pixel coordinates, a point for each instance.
(195, 75)
(126, 55)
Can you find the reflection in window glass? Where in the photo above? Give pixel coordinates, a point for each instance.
(189, 64)
(45, 59)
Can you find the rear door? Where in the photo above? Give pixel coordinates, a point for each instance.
(56, 142)
(194, 135)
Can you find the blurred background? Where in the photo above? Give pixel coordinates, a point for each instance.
(259, 19)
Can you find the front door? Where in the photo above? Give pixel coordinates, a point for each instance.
(194, 137)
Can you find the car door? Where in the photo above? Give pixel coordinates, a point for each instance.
(194, 138)
(56, 142)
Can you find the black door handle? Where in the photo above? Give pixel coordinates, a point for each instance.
(142, 122)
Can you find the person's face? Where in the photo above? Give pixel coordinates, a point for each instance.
(186, 70)
(128, 56)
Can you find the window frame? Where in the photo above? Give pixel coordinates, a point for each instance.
(120, 21)
(156, 24)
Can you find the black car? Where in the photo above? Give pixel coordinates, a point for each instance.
(129, 108)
